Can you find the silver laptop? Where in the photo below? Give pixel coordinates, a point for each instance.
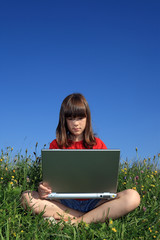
(80, 174)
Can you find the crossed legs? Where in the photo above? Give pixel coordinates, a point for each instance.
(126, 202)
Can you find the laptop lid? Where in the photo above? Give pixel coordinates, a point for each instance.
(80, 171)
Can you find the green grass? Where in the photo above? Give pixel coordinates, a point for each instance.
(20, 173)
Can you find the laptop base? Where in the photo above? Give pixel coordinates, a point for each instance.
(105, 195)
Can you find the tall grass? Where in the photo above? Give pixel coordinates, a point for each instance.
(19, 173)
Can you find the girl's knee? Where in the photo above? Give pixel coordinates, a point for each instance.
(28, 197)
(134, 197)
(25, 198)
(131, 198)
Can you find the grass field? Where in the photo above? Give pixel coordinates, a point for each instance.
(19, 173)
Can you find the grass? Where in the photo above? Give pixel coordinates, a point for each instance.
(19, 173)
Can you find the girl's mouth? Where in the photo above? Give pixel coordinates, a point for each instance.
(76, 129)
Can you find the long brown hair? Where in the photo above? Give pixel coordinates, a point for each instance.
(74, 105)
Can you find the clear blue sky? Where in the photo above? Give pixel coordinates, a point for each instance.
(107, 50)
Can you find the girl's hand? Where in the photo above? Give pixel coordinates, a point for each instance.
(43, 191)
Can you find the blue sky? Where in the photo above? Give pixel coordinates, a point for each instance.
(107, 50)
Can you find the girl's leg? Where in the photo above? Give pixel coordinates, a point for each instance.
(51, 208)
(126, 201)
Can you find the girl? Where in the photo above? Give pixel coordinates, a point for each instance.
(74, 131)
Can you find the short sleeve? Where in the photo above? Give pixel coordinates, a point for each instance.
(53, 145)
(100, 144)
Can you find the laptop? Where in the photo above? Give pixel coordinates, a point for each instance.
(81, 174)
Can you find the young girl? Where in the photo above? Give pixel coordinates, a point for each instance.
(74, 131)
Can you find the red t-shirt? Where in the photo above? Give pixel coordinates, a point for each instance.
(79, 145)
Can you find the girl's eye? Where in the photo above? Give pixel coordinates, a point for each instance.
(71, 119)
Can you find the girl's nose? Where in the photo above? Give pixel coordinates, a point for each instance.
(75, 122)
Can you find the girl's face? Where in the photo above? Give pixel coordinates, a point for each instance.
(76, 126)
